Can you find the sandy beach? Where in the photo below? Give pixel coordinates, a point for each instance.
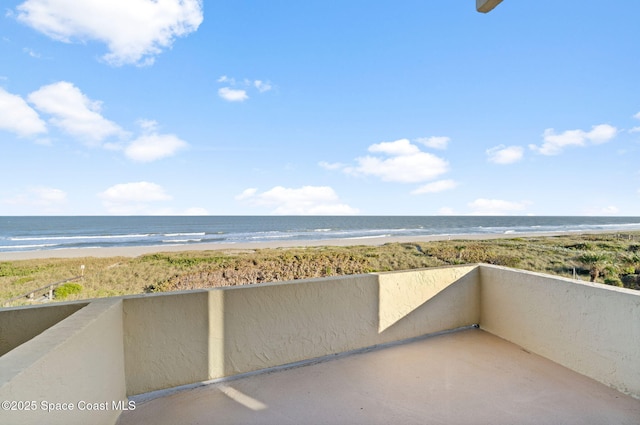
(142, 250)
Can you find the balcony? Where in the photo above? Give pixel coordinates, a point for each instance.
(397, 347)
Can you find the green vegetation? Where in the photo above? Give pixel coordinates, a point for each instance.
(66, 290)
(612, 259)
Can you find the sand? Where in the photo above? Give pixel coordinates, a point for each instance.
(141, 250)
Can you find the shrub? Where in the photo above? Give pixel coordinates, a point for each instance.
(23, 280)
(582, 246)
(10, 269)
(613, 281)
(66, 290)
(631, 280)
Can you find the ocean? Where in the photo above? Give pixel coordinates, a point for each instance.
(48, 233)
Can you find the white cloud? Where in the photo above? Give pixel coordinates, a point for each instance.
(555, 143)
(135, 31)
(483, 206)
(435, 187)
(406, 164)
(601, 133)
(17, 116)
(151, 147)
(196, 211)
(436, 142)
(399, 147)
(505, 155)
(32, 53)
(133, 198)
(138, 192)
(600, 210)
(446, 211)
(45, 198)
(331, 165)
(262, 86)
(246, 194)
(307, 200)
(635, 129)
(74, 112)
(225, 79)
(233, 95)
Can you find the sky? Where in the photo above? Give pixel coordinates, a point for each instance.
(319, 107)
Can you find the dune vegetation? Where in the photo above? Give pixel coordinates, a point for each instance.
(612, 259)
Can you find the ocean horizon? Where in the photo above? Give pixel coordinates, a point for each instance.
(38, 233)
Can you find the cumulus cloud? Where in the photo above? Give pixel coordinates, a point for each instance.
(233, 95)
(483, 206)
(398, 148)
(225, 79)
(138, 192)
(73, 112)
(246, 194)
(331, 165)
(135, 31)
(133, 198)
(307, 200)
(404, 163)
(555, 143)
(45, 199)
(635, 129)
(502, 154)
(435, 187)
(446, 211)
(76, 114)
(17, 116)
(262, 86)
(152, 146)
(436, 142)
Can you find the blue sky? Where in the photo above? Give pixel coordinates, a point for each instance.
(406, 107)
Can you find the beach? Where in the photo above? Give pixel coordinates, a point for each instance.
(135, 251)
(122, 270)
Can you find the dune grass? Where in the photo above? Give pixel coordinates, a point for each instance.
(613, 259)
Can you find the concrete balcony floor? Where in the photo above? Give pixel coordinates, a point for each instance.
(464, 377)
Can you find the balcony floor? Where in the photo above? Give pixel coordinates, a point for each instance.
(466, 377)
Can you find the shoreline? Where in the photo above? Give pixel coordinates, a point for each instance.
(135, 251)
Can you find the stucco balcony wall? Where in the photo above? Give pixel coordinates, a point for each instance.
(77, 361)
(108, 349)
(176, 339)
(591, 328)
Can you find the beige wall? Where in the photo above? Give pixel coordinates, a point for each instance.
(18, 325)
(165, 340)
(79, 360)
(271, 325)
(591, 328)
(174, 339)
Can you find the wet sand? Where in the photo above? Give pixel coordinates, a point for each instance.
(141, 250)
